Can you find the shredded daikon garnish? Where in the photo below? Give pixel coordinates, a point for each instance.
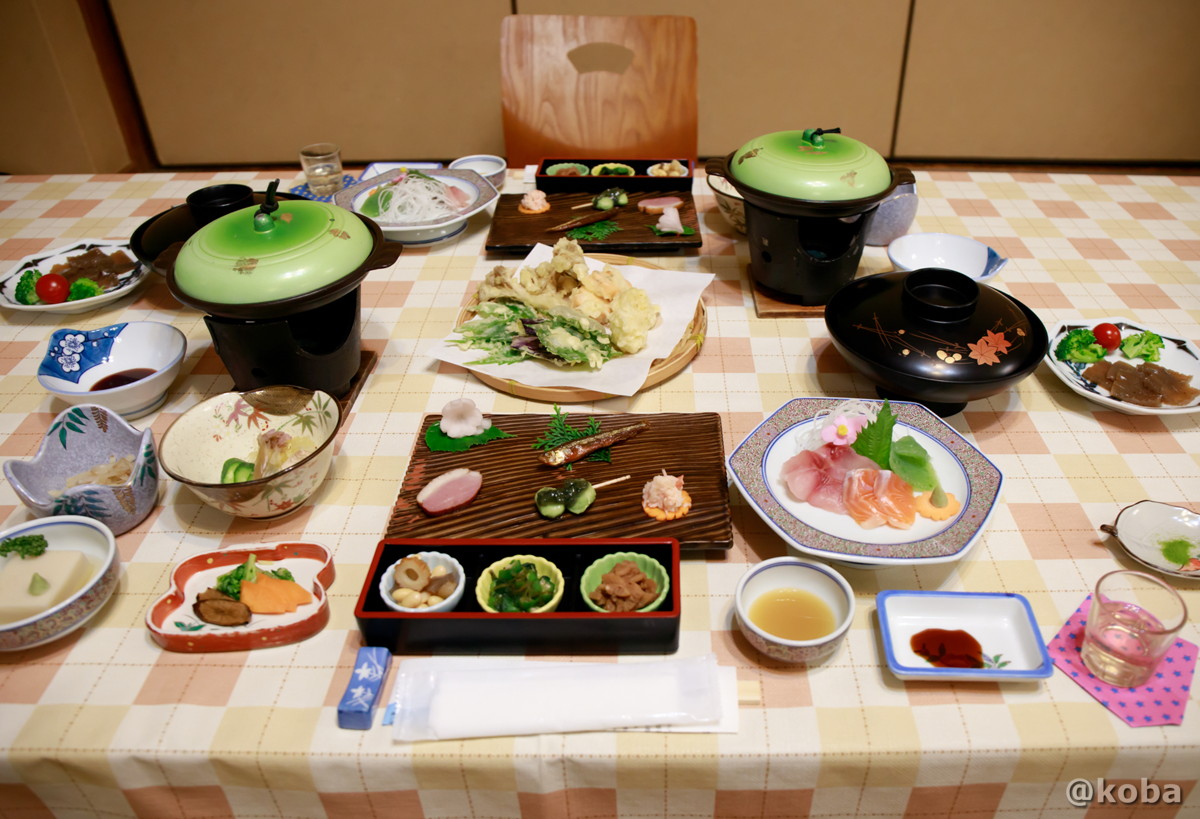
(416, 197)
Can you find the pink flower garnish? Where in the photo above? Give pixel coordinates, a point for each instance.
(843, 430)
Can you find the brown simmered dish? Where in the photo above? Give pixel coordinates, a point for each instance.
(102, 268)
(219, 609)
(1147, 384)
(624, 587)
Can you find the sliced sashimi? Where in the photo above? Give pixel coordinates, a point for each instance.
(816, 476)
(874, 497)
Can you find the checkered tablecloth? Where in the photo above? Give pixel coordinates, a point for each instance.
(104, 723)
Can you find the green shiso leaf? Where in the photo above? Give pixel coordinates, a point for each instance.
(874, 441)
(439, 441)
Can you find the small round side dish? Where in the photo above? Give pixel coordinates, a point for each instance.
(483, 586)
(1160, 536)
(790, 572)
(433, 560)
(566, 168)
(592, 575)
(94, 366)
(81, 438)
(914, 251)
(492, 168)
(66, 533)
(197, 446)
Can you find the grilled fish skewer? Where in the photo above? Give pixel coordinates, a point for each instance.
(582, 447)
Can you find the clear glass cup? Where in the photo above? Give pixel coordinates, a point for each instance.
(1133, 620)
(322, 164)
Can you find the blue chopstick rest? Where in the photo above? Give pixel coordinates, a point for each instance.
(357, 708)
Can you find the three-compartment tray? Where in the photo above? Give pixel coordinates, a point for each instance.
(640, 180)
(573, 628)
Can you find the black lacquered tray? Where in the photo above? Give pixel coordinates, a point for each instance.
(573, 628)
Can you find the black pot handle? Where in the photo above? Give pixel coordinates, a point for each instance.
(717, 166)
(902, 176)
(384, 255)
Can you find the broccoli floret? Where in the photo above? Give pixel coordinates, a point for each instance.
(1142, 345)
(26, 292)
(24, 545)
(1080, 345)
(83, 289)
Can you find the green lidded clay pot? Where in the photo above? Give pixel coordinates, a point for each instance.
(280, 250)
(814, 165)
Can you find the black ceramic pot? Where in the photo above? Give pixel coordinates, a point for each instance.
(935, 336)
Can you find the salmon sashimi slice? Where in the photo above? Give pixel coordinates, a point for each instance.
(874, 497)
(816, 476)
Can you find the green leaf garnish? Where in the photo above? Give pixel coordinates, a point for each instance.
(687, 231)
(874, 441)
(439, 441)
(593, 232)
(559, 432)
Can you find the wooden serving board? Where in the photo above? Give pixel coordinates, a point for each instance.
(516, 232)
(687, 444)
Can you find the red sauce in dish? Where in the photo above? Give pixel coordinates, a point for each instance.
(948, 649)
(122, 378)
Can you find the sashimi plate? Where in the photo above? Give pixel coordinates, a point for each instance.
(175, 627)
(1177, 354)
(756, 465)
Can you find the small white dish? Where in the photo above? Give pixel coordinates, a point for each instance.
(433, 560)
(127, 282)
(1177, 354)
(1003, 625)
(1160, 536)
(491, 167)
(479, 191)
(914, 251)
(78, 361)
(756, 465)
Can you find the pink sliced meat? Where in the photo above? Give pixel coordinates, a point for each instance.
(659, 203)
(449, 491)
(816, 476)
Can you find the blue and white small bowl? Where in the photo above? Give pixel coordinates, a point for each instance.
(67, 533)
(793, 573)
(914, 251)
(83, 437)
(491, 167)
(76, 361)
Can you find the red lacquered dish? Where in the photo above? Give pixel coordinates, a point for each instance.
(175, 627)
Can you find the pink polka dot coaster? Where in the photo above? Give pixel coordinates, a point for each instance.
(1161, 701)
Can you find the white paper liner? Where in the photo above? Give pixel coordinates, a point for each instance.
(456, 698)
(676, 294)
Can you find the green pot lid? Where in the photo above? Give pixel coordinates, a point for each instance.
(265, 253)
(816, 165)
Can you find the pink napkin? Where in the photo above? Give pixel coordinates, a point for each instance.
(1161, 701)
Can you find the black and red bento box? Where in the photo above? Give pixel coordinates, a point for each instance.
(573, 628)
(640, 180)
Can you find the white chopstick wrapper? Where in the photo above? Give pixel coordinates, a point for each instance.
(447, 699)
(676, 294)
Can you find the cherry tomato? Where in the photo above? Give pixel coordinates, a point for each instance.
(52, 288)
(1107, 336)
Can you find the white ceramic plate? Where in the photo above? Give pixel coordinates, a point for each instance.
(128, 281)
(756, 463)
(1003, 625)
(1177, 354)
(479, 190)
(1160, 536)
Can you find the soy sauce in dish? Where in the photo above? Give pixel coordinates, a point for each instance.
(122, 378)
(948, 649)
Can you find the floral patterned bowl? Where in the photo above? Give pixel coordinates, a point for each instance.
(83, 437)
(99, 548)
(197, 445)
(791, 573)
(93, 366)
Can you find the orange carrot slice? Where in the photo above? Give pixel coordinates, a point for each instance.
(270, 595)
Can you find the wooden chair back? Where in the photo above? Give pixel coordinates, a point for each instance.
(564, 93)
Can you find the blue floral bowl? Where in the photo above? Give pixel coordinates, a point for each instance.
(81, 439)
(96, 366)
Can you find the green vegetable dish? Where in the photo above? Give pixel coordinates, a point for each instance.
(1080, 345)
(230, 583)
(24, 546)
(513, 331)
(519, 587)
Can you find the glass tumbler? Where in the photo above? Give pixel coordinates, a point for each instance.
(322, 164)
(1133, 620)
